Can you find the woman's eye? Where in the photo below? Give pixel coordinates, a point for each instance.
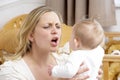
(45, 27)
(58, 27)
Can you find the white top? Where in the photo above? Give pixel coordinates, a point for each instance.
(68, 65)
(15, 70)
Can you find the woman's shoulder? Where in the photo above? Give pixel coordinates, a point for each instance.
(13, 70)
(7, 70)
(11, 64)
(5, 67)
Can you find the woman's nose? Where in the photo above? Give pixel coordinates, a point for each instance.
(54, 30)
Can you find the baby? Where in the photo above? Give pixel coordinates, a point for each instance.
(85, 41)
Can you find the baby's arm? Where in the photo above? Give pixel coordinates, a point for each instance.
(70, 68)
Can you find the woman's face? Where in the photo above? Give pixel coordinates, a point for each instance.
(47, 33)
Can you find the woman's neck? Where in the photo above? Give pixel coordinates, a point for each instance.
(38, 65)
(37, 58)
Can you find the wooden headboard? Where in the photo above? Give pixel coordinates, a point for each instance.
(108, 59)
(15, 22)
(8, 36)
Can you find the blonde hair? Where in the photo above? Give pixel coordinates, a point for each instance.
(90, 33)
(28, 27)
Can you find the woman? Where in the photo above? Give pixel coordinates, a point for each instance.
(39, 36)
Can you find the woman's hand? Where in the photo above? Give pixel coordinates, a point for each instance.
(50, 67)
(84, 77)
(100, 73)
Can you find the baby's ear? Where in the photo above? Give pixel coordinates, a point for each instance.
(77, 42)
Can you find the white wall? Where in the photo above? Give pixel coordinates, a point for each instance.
(12, 8)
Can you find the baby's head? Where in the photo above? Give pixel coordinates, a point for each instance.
(86, 34)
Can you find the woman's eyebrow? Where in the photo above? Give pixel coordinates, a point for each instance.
(58, 24)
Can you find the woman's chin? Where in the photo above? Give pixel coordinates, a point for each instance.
(53, 49)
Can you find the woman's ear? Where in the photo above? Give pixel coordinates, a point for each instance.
(31, 37)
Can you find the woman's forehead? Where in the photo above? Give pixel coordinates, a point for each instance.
(50, 17)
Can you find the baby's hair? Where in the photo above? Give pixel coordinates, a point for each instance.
(90, 32)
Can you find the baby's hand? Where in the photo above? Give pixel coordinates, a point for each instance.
(50, 69)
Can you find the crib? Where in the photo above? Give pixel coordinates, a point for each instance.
(108, 59)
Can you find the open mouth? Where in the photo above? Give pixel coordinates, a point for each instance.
(54, 41)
